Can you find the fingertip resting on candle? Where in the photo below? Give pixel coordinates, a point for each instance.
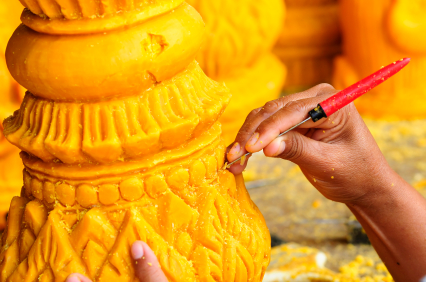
(137, 250)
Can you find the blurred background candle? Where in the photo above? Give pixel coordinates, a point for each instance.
(308, 43)
(374, 33)
(240, 36)
(11, 95)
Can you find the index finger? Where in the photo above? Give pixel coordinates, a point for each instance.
(238, 148)
(285, 119)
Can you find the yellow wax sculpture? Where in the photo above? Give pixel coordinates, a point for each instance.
(378, 32)
(121, 142)
(309, 41)
(11, 95)
(237, 51)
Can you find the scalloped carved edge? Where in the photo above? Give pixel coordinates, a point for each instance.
(78, 9)
(181, 178)
(89, 25)
(162, 118)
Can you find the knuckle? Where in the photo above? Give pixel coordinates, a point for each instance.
(288, 99)
(246, 128)
(326, 86)
(266, 126)
(284, 100)
(297, 106)
(253, 113)
(271, 123)
(271, 106)
(244, 133)
(325, 89)
(291, 103)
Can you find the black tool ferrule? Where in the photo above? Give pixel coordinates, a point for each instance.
(317, 113)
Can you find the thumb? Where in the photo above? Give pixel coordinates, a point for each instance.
(296, 148)
(77, 277)
(147, 267)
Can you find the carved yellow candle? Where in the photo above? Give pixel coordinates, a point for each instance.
(121, 142)
(378, 32)
(309, 41)
(237, 51)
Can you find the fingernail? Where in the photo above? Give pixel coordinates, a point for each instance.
(253, 139)
(137, 250)
(73, 278)
(235, 149)
(281, 149)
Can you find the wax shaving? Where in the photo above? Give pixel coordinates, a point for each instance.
(225, 166)
(243, 160)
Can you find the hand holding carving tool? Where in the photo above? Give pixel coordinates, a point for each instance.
(345, 97)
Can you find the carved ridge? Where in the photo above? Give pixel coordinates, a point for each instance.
(64, 237)
(104, 132)
(75, 9)
(127, 188)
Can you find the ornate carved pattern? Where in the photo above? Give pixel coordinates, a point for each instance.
(105, 165)
(79, 9)
(181, 178)
(228, 23)
(162, 118)
(212, 241)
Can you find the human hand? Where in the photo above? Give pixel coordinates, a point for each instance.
(147, 268)
(338, 155)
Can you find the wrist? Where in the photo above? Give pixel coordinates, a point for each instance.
(383, 186)
(386, 190)
(394, 219)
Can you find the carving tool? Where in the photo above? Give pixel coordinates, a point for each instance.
(345, 97)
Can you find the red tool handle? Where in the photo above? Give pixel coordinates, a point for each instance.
(344, 97)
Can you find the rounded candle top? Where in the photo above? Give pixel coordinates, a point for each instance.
(112, 95)
(104, 64)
